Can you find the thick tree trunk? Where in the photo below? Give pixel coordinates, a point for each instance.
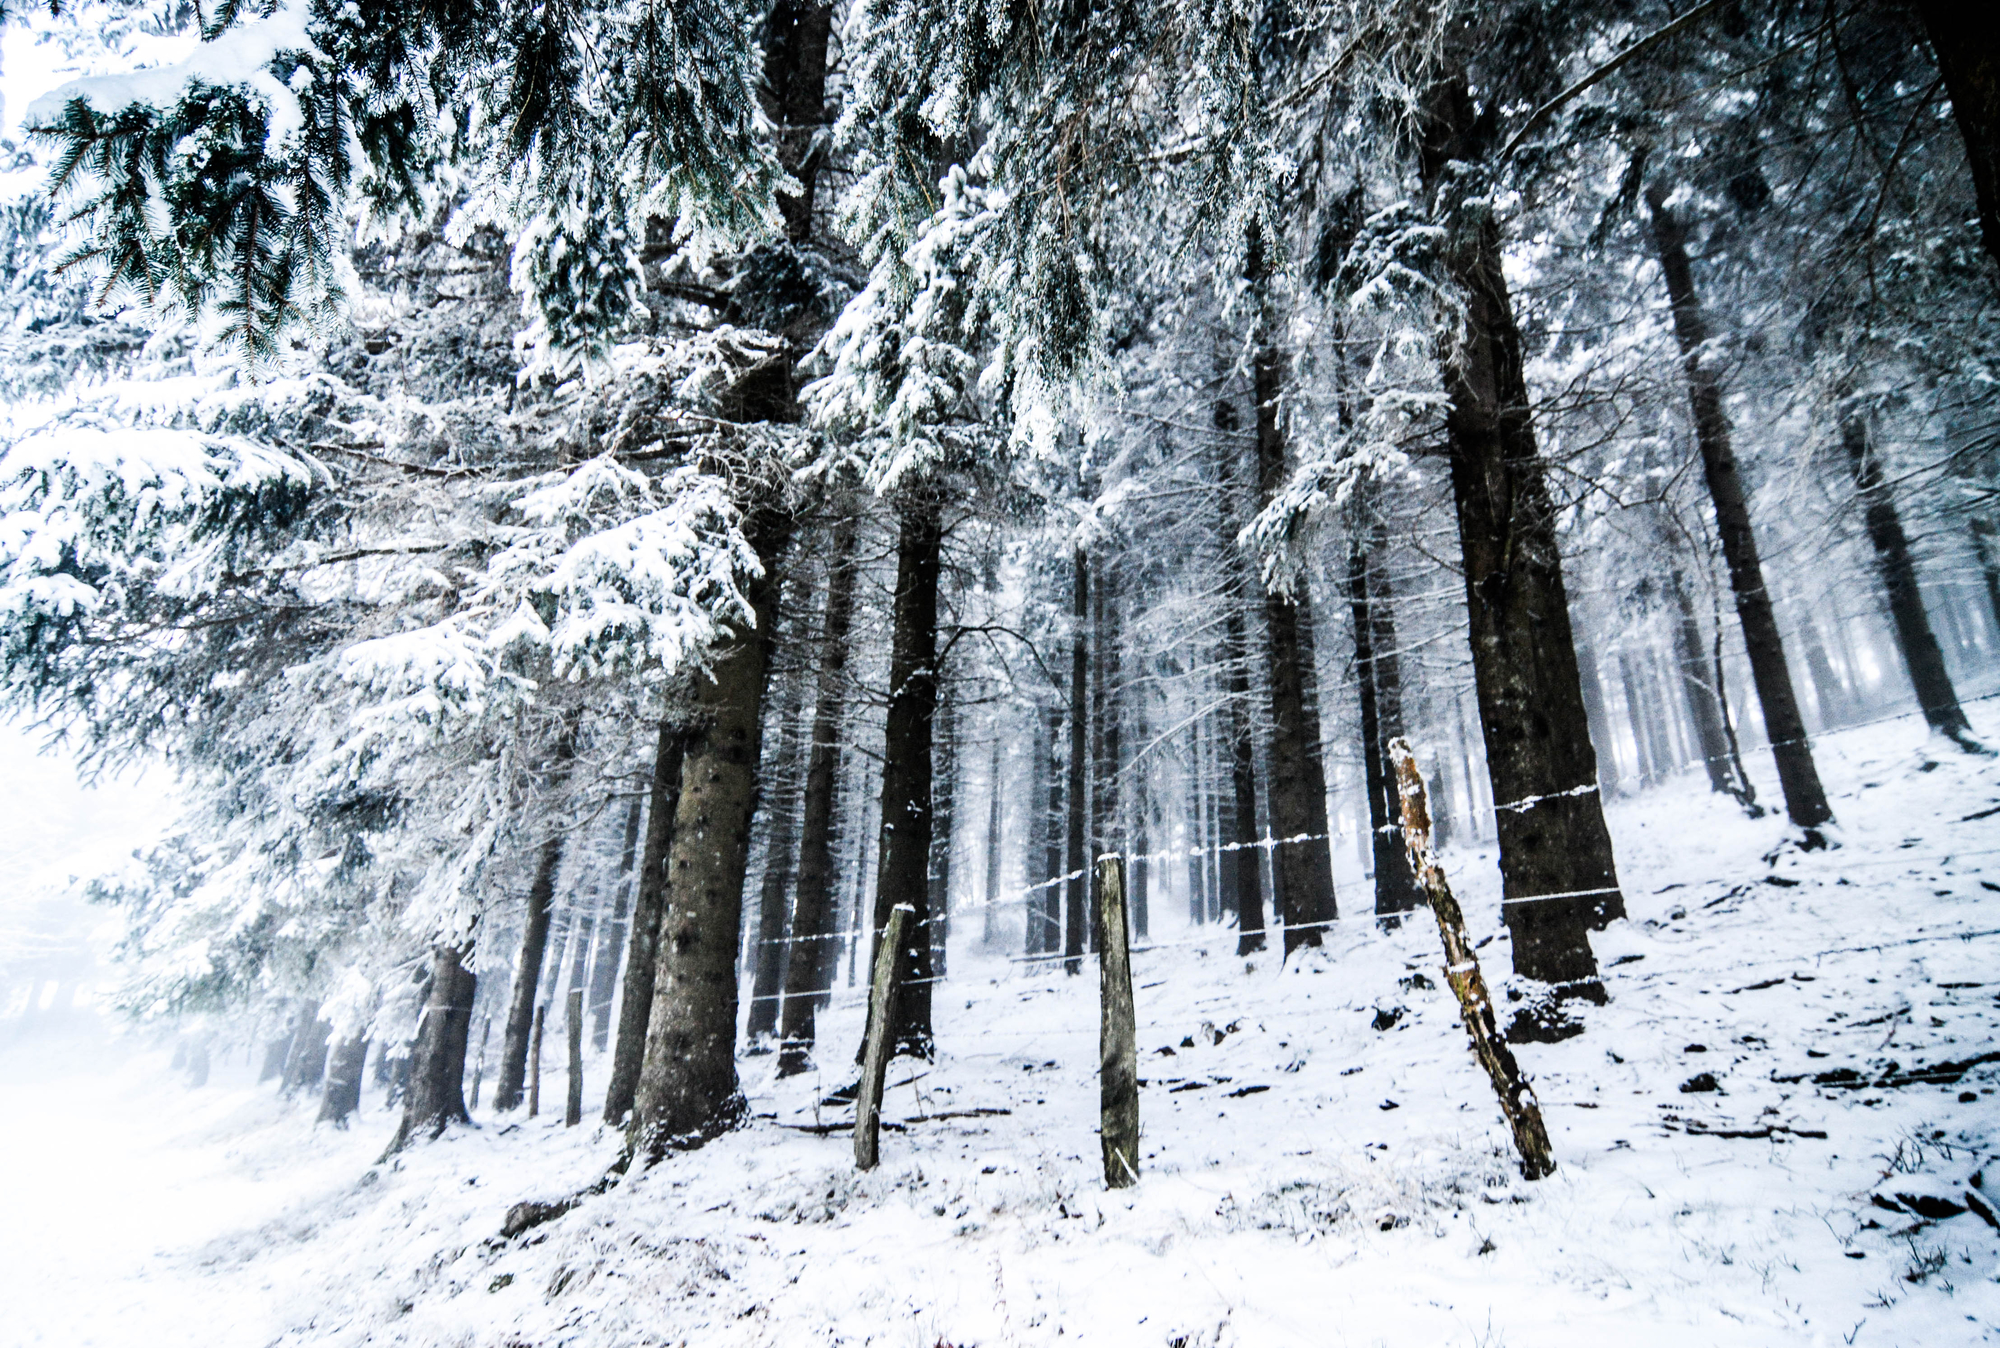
(435, 1098)
(343, 1080)
(902, 875)
(772, 950)
(1295, 788)
(1921, 656)
(1378, 679)
(809, 975)
(989, 935)
(1558, 876)
(688, 1089)
(528, 976)
(1703, 708)
(1078, 884)
(1805, 798)
(611, 936)
(649, 906)
(1970, 65)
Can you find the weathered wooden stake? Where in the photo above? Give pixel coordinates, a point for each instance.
(535, 1064)
(1117, 1039)
(573, 1018)
(1461, 970)
(875, 1061)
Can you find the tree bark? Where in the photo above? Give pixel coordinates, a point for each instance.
(1295, 788)
(1970, 65)
(772, 950)
(611, 937)
(305, 1062)
(1704, 710)
(944, 816)
(533, 955)
(1077, 885)
(343, 1080)
(795, 51)
(1921, 655)
(902, 876)
(809, 975)
(1046, 923)
(1805, 798)
(1552, 837)
(989, 935)
(1378, 678)
(649, 904)
(435, 1098)
(688, 1091)
(1117, 1046)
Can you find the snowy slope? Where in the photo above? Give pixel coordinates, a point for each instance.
(1309, 1179)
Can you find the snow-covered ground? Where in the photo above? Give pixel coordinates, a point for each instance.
(1310, 1179)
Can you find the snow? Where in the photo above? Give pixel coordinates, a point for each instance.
(1365, 1195)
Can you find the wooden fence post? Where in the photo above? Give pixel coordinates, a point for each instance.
(573, 1018)
(1117, 1040)
(1461, 970)
(875, 1061)
(535, 1064)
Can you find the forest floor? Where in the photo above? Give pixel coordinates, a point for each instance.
(1309, 1178)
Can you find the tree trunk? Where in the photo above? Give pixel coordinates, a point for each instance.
(649, 905)
(1048, 899)
(772, 950)
(528, 977)
(1805, 799)
(1377, 675)
(1590, 681)
(1295, 788)
(1984, 544)
(687, 1091)
(794, 88)
(989, 936)
(1703, 708)
(1635, 713)
(343, 1080)
(809, 975)
(305, 1064)
(1970, 65)
(611, 937)
(1552, 837)
(435, 1098)
(902, 875)
(1921, 656)
(944, 814)
(1077, 885)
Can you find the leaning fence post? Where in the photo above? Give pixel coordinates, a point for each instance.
(573, 1022)
(1117, 1046)
(875, 1060)
(1461, 970)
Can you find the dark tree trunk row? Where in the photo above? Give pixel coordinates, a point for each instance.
(815, 955)
(534, 947)
(649, 904)
(770, 949)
